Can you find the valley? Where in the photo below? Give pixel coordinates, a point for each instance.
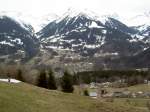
(78, 62)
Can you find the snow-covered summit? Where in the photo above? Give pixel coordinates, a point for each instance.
(86, 18)
(76, 13)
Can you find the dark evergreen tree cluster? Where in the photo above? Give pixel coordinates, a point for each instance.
(20, 75)
(47, 81)
(51, 81)
(67, 82)
(42, 79)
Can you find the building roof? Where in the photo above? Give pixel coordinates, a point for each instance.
(93, 94)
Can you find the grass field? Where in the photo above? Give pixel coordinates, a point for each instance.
(27, 98)
(140, 87)
(136, 102)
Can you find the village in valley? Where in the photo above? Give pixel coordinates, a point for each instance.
(117, 89)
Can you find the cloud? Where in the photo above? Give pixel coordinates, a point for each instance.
(42, 7)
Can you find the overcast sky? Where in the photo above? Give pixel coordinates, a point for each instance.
(35, 11)
(42, 7)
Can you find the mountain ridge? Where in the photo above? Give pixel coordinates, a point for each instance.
(84, 35)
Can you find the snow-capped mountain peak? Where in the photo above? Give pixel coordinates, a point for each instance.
(27, 19)
(17, 18)
(73, 13)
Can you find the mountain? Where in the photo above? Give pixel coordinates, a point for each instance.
(45, 20)
(91, 35)
(141, 60)
(34, 20)
(141, 23)
(17, 39)
(79, 40)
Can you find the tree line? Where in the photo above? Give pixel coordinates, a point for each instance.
(131, 77)
(46, 78)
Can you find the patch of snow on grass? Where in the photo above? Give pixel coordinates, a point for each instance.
(11, 80)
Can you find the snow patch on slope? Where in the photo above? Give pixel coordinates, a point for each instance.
(95, 25)
(11, 80)
(6, 43)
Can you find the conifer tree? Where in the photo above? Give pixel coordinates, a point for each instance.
(19, 75)
(51, 81)
(42, 79)
(67, 82)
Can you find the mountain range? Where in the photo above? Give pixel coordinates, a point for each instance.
(79, 39)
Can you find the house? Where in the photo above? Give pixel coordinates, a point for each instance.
(133, 95)
(106, 84)
(84, 86)
(93, 85)
(93, 94)
(118, 94)
(127, 94)
(146, 81)
(140, 94)
(143, 69)
(146, 95)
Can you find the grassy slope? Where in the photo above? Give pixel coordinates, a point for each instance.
(27, 98)
(138, 102)
(140, 87)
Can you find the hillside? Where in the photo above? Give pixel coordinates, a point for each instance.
(26, 98)
(17, 40)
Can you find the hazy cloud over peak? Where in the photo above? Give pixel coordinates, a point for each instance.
(42, 7)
